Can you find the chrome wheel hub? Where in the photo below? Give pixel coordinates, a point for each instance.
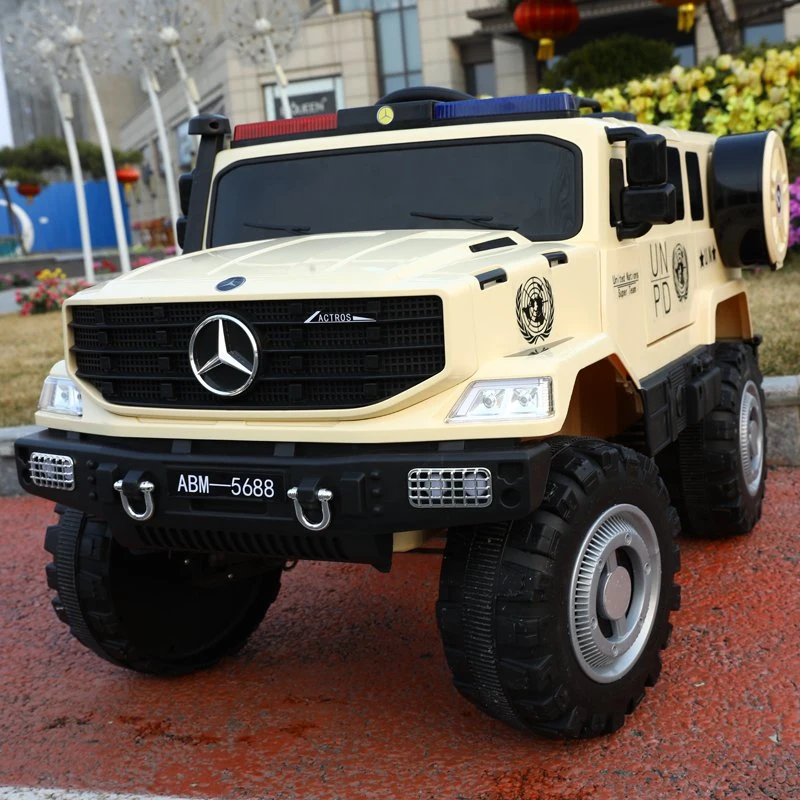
(751, 437)
(614, 593)
(615, 596)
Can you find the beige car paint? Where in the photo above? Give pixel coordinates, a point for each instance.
(613, 300)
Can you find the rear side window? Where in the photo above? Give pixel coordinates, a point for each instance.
(616, 179)
(675, 177)
(695, 186)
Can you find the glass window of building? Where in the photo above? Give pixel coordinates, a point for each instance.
(397, 33)
(687, 55)
(480, 78)
(770, 32)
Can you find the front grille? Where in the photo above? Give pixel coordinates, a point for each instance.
(450, 487)
(51, 471)
(138, 355)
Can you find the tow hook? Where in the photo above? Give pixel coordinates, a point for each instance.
(131, 487)
(323, 497)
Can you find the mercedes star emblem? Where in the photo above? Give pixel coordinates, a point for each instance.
(231, 283)
(223, 353)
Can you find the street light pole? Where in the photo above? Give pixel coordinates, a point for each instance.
(264, 27)
(46, 48)
(263, 32)
(151, 84)
(74, 37)
(171, 39)
(63, 103)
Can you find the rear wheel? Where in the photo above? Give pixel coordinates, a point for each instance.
(555, 623)
(716, 470)
(152, 612)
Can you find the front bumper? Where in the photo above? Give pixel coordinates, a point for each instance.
(369, 486)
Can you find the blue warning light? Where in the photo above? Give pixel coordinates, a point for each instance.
(501, 106)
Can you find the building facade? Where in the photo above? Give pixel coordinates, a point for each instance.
(351, 52)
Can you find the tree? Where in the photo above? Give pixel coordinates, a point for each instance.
(48, 153)
(728, 19)
(607, 62)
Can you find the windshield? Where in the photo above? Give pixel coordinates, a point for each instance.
(529, 184)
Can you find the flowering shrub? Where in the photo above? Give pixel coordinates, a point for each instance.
(15, 280)
(730, 95)
(49, 293)
(105, 267)
(794, 213)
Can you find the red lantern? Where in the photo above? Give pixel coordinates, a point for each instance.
(29, 190)
(127, 175)
(546, 20)
(686, 12)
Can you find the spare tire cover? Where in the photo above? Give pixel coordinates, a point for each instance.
(749, 198)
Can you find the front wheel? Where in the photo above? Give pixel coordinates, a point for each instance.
(555, 623)
(154, 612)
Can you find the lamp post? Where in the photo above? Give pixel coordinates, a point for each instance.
(32, 58)
(71, 24)
(171, 38)
(179, 28)
(263, 32)
(75, 38)
(140, 38)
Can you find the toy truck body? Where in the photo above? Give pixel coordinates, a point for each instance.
(492, 319)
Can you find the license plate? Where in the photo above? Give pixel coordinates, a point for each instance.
(233, 484)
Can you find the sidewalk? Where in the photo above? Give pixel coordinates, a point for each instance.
(8, 302)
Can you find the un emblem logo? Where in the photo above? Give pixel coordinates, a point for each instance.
(535, 309)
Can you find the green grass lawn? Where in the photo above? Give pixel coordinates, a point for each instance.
(775, 307)
(29, 346)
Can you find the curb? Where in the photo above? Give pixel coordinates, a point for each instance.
(9, 485)
(783, 432)
(783, 420)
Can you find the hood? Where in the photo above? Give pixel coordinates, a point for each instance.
(331, 264)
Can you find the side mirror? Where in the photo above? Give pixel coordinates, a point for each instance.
(180, 230)
(646, 160)
(644, 207)
(185, 182)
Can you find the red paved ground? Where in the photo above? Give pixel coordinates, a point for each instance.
(344, 692)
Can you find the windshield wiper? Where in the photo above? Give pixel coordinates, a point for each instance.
(479, 220)
(287, 228)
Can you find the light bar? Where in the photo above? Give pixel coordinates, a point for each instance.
(500, 106)
(284, 127)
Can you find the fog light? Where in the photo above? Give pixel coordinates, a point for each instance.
(51, 471)
(450, 487)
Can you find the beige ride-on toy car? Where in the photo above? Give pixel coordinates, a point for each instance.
(518, 324)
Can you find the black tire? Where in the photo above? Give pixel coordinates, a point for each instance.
(504, 609)
(143, 612)
(705, 469)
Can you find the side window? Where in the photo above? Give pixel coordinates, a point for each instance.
(695, 186)
(616, 179)
(675, 178)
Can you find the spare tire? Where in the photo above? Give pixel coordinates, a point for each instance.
(749, 199)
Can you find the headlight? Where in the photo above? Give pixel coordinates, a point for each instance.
(523, 398)
(61, 396)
